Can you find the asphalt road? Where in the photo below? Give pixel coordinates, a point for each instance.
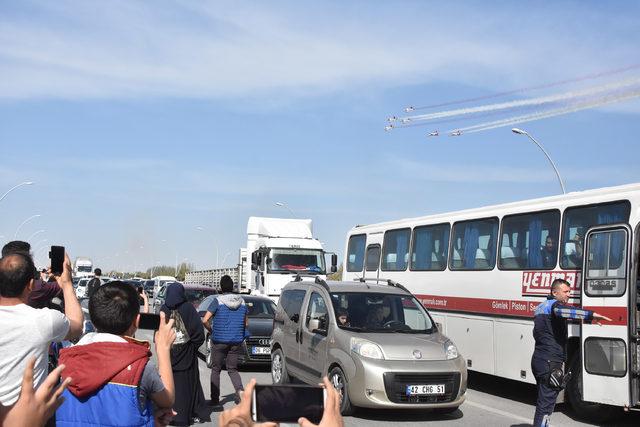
(490, 401)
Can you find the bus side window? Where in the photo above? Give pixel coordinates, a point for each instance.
(529, 241)
(576, 223)
(355, 252)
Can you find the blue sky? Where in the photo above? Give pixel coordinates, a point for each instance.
(140, 121)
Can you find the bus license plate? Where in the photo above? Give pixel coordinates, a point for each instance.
(415, 390)
(261, 350)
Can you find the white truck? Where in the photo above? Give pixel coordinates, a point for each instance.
(83, 267)
(277, 250)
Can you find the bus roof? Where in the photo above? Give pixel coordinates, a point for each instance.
(576, 197)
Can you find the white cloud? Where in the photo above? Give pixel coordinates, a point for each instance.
(135, 49)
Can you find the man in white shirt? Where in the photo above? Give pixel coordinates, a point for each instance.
(26, 331)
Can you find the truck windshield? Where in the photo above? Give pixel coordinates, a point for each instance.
(290, 259)
(84, 268)
(378, 312)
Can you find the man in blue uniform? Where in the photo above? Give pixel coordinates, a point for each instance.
(550, 333)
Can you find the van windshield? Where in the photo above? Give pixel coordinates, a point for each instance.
(285, 260)
(374, 312)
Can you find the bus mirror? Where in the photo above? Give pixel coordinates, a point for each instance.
(334, 263)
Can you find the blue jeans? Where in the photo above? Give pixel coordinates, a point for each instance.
(547, 396)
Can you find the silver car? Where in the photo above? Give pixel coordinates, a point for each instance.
(376, 342)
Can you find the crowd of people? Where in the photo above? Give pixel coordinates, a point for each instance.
(107, 377)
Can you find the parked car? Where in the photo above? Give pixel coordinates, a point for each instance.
(81, 288)
(377, 344)
(256, 348)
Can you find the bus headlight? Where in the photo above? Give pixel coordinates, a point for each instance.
(366, 348)
(450, 350)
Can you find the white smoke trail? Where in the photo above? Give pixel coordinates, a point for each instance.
(549, 113)
(566, 96)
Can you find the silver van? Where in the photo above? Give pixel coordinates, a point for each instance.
(377, 344)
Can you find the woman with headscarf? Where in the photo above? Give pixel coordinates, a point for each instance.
(190, 403)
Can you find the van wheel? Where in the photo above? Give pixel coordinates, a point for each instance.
(209, 355)
(279, 373)
(339, 381)
(596, 412)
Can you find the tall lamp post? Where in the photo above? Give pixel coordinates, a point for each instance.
(553, 165)
(14, 187)
(284, 205)
(15, 236)
(201, 228)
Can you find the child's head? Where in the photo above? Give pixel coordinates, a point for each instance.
(114, 308)
(343, 318)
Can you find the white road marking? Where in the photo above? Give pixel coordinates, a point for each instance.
(498, 411)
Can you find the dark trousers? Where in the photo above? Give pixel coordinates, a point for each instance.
(546, 395)
(225, 354)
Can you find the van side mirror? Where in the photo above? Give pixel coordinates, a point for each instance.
(317, 326)
(334, 263)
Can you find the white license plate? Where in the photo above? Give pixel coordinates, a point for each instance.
(260, 350)
(416, 390)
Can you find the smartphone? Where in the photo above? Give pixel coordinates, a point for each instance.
(149, 321)
(287, 403)
(56, 254)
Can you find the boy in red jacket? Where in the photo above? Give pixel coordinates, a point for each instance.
(113, 381)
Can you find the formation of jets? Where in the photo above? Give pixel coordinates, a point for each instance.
(456, 132)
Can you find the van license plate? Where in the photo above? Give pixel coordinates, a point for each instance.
(415, 390)
(260, 350)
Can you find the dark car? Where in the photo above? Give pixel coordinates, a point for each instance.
(195, 295)
(256, 349)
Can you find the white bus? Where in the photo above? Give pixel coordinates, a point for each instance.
(481, 273)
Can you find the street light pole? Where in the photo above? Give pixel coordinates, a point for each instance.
(553, 165)
(284, 205)
(201, 228)
(15, 236)
(14, 187)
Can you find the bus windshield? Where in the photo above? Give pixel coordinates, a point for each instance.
(84, 268)
(378, 312)
(285, 260)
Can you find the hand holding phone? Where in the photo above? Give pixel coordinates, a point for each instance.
(56, 254)
(149, 321)
(287, 403)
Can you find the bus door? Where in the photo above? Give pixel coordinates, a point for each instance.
(372, 255)
(606, 290)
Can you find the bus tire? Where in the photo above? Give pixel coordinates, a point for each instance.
(596, 412)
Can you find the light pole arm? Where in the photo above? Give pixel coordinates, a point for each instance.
(553, 165)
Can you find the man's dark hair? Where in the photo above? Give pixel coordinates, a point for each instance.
(557, 283)
(16, 270)
(113, 307)
(226, 283)
(97, 272)
(16, 247)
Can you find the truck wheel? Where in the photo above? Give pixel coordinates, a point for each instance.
(279, 373)
(339, 381)
(596, 412)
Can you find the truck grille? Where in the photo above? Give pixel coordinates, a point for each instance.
(396, 384)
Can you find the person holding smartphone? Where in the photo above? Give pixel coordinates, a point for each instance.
(190, 403)
(127, 386)
(26, 331)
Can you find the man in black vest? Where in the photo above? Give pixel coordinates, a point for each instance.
(94, 283)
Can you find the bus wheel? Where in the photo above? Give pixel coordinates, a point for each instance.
(596, 412)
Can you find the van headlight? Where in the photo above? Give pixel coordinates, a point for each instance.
(450, 350)
(366, 348)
